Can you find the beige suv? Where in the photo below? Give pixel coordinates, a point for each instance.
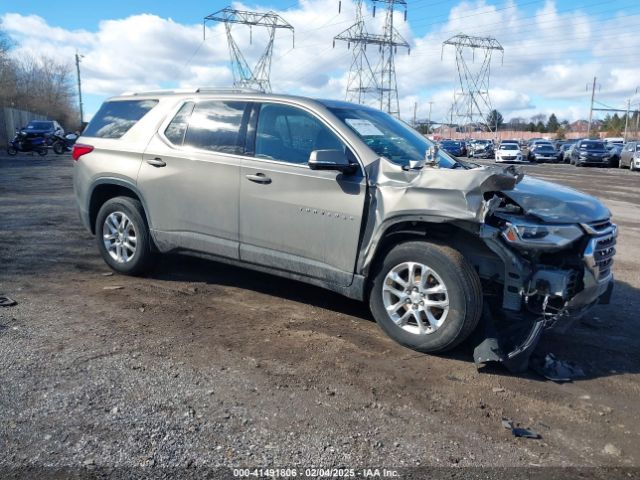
(348, 198)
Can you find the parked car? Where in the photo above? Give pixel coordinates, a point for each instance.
(482, 149)
(453, 147)
(542, 152)
(615, 149)
(590, 152)
(563, 152)
(43, 128)
(630, 156)
(342, 196)
(509, 152)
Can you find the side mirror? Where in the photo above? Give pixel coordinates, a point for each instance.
(330, 160)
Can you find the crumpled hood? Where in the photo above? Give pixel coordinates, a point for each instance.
(553, 203)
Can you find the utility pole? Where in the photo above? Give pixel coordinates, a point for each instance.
(429, 120)
(626, 120)
(78, 57)
(415, 113)
(593, 94)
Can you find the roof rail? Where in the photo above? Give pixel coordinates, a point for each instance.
(171, 91)
(228, 90)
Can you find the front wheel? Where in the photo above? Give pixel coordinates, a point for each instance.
(11, 150)
(58, 148)
(426, 296)
(123, 236)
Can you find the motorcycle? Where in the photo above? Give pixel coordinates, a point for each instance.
(62, 144)
(23, 143)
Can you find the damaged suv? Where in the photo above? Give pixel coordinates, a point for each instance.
(348, 198)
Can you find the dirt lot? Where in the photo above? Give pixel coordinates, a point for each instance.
(201, 364)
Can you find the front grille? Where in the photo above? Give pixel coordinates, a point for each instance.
(600, 250)
(601, 225)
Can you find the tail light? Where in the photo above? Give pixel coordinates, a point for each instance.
(80, 150)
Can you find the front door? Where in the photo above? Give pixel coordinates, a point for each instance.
(293, 218)
(189, 178)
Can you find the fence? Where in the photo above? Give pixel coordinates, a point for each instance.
(10, 119)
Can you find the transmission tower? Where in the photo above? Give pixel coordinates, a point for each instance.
(367, 84)
(472, 102)
(243, 75)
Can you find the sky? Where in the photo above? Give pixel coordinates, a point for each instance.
(552, 49)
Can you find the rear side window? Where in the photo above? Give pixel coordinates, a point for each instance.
(218, 126)
(178, 127)
(116, 118)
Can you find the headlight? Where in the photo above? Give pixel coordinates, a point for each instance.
(533, 235)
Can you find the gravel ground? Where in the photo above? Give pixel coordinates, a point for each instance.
(205, 365)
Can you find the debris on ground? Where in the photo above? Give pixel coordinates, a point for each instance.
(107, 274)
(497, 390)
(7, 302)
(113, 287)
(518, 431)
(554, 369)
(611, 449)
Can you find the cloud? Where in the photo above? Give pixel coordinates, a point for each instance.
(549, 54)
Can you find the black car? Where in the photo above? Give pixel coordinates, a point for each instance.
(43, 128)
(453, 148)
(563, 152)
(590, 152)
(615, 150)
(542, 152)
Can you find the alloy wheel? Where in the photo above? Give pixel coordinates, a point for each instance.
(119, 237)
(415, 298)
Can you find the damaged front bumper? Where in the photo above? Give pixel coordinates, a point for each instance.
(542, 297)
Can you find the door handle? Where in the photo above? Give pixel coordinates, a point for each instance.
(259, 178)
(157, 162)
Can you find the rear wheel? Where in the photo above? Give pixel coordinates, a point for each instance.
(425, 296)
(123, 236)
(11, 150)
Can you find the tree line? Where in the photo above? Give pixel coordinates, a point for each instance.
(612, 124)
(38, 84)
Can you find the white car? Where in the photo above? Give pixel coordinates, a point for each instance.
(509, 152)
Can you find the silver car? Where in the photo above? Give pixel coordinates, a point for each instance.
(348, 198)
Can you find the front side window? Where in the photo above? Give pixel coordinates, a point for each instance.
(116, 118)
(218, 126)
(289, 134)
(389, 137)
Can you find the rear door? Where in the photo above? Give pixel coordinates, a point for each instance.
(627, 153)
(293, 218)
(189, 177)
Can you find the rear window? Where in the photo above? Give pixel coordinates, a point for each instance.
(116, 118)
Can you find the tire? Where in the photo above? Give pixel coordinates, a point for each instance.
(58, 148)
(11, 150)
(463, 293)
(42, 151)
(632, 166)
(138, 261)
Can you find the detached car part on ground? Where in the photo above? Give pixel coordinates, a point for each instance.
(348, 198)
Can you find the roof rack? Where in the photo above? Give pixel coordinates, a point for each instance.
(173, 91)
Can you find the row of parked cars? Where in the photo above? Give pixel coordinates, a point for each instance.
(580, 152)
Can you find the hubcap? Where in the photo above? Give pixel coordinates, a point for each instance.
(415, 298)
(119, 236)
